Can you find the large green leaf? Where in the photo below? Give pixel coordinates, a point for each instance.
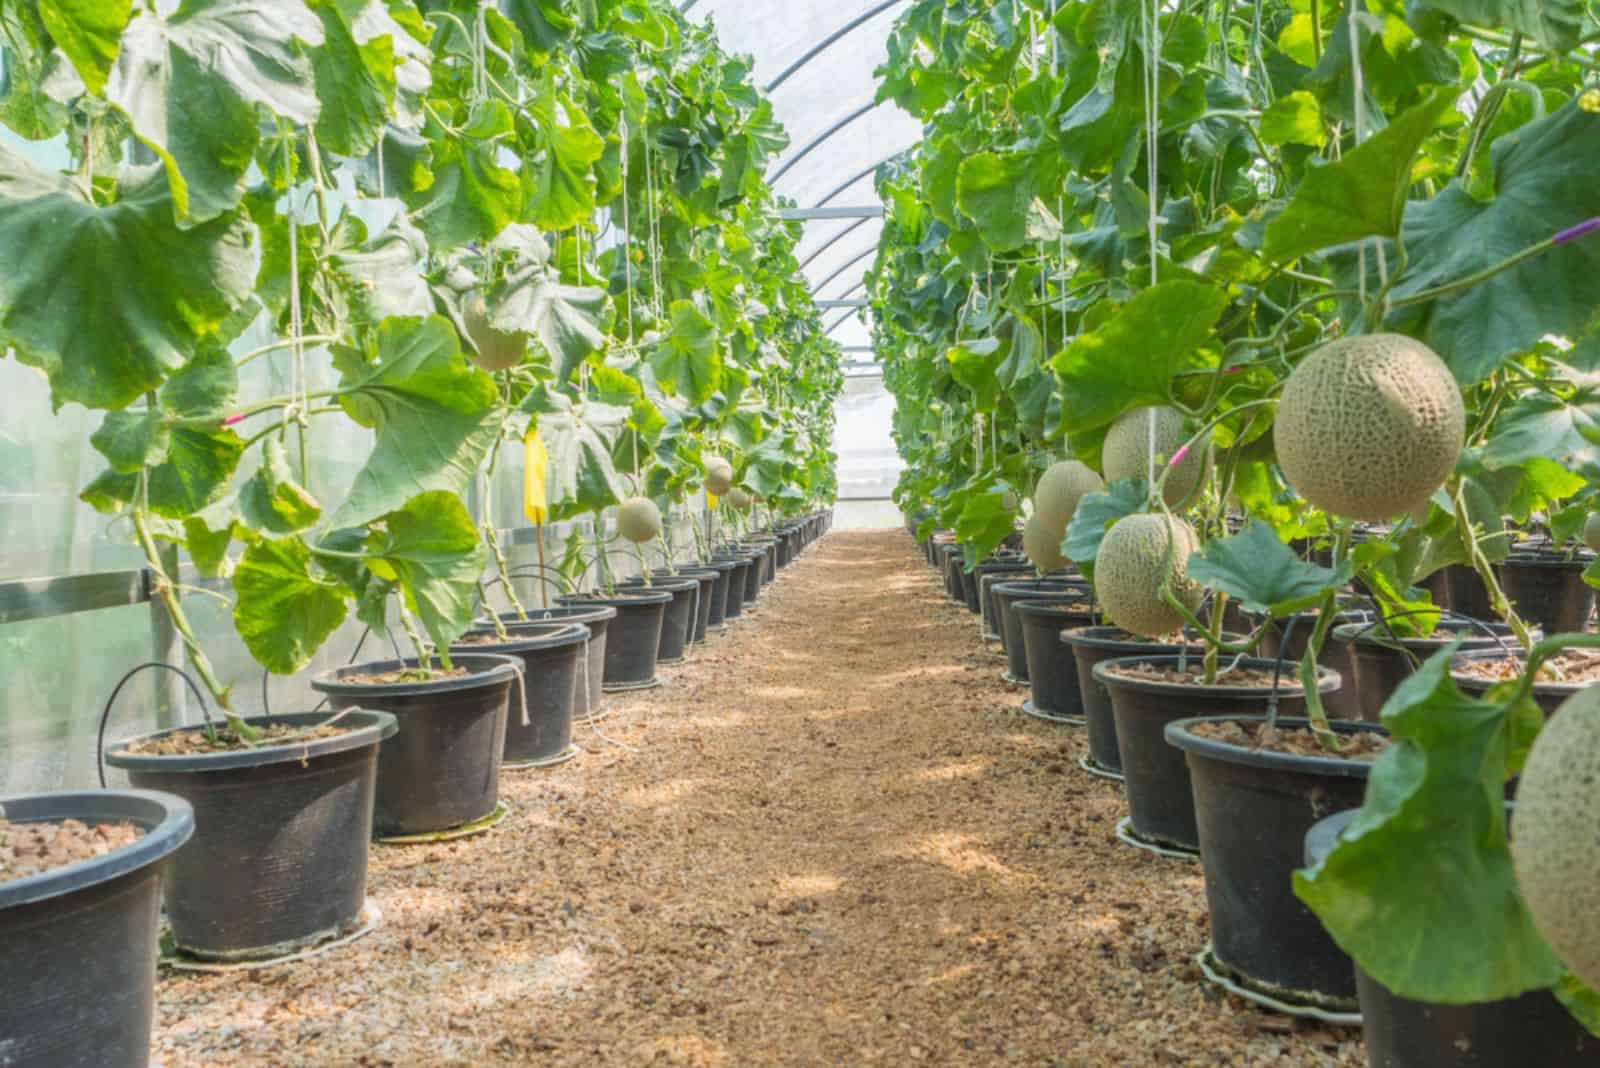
(109, 300)
(132, 440)
(1361, 195)
(579, 439)
(273, 500)
(559, 180)
(688, 358)
(1096, 513)
(534, 300)
(355, 72)
(1130, 360)
(89, 32)
(434, 415)
(975, 364)
(284, 612)
(1001, 195)
(1420, 890)
(1540, 426)
(1262, 573)
(191, 85)
(1543, 176)
(471, 198)
(1556, 24)
(432, 548)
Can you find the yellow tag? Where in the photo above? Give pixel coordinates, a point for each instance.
(711, 500)
(535, 461)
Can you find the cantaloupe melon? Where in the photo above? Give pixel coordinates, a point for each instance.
(1591, 531)
(1042, 544)
(719, 475)
(1059, 491)
(639, 520)
(1369, 427)
(498, 350)
(1127, 452)
(1553, 842)
(739, 500)
(1129, 569)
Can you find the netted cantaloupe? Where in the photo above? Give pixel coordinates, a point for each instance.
(497, 350)
(719, 475)
(1591, 531)
(1130, 567)
(1127, 452)
(1553, 842)
(1042, 544)
(1059, 491)
(739, 500)
(639, 520)
(1369, 427)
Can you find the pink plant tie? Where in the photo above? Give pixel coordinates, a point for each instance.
(1177, 457)
(232, 419)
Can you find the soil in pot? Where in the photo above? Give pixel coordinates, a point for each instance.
(1257, 790)
(635, 638)
(279, 856)
(1532, 1030)
(441, 769)
(598, 619)
(1382, 662)
(539, 722)
(1148, 693)
(1559, 678)
(80, 903)
(677, 622)
(1052, 669)
(1547, 590)
(1089, 646)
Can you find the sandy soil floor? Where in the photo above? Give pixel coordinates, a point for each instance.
(830, 839)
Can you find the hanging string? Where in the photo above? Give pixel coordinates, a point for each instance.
(654, 224)
(1152, 92)
(380, 167)
(1358, 92)
(627, 236)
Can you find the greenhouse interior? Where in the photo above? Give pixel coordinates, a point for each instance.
(683, 532)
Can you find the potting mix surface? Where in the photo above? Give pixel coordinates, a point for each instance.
(831, 839)
(34, 848)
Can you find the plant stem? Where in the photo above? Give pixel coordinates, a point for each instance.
(1480, 563)
(1450, 289)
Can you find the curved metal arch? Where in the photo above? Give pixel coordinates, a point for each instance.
(853, 179)
(826, 245)
(851, 262)
(846, 294)
(837, 323)
(830, 40)
(821, 137)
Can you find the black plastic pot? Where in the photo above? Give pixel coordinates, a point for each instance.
(441, 769)
(1381, 661)
(1155, 775)
(552, 656)
(677, 622)
(1532, 1030)
(1253, 810)
(1343, 703)
(1547, 590)
(635, 638)
(1466, 594)
(752, 577)
(1089, 646)
(78, 944)
(598, 619)
(738, 580)
(708, 578)
(1052, 671)
(989, 573)
(718, 607)
(1005, 594)
(279, 855)
(1548, 695)
(953, 573)
(1018, 663)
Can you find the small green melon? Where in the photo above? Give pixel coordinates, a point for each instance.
(719, 475)
(497, 350)
(1127, 452)
(1553, 843)
(1128, 573)
(739, 500)
(639, 520)
(1059, 491)
(1591, 531)
(1368, 427)
(1042, 544)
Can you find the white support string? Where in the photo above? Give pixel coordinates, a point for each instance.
(1358, 92)
(627, 235)
(1152, 92)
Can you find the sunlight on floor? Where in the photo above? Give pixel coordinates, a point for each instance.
(796, 887)
(966, 769)
(960, 854)
(662, 794)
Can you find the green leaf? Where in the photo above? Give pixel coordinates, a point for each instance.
(1540, 426)
(1361, 195)
(355, 73)
(1130, 359)
(471, 197)
(1555, 24)
(1097, 512)
(284, 613)
(103, 342)
(1263, 573)
(191, 85)
(688, 358)
(984, 522)
(199, 465)
(1295, 119)
(132, 441)
(272, 500)
(582, 476)
(1420, 890)
(1582, 1001)
(432, 547)
(559, 180)
(208, 548)
(88, 31)
(565, 318)
(975, 364)
(205, 388)
(434, 415)
(1000, 194)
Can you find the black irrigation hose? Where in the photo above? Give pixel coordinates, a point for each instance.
(105, 713)
(266, 705)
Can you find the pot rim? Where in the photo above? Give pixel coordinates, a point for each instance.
(491, 669)
(1470, 632)
(1044, 606)
(1328, 680)
(560, 636)
(1039, 585)
(1179, 735)
(584, 614)
(1086, 637)
(677, 583)
(166, 819)
(641, 596)
(369, 726)
(1478, 686)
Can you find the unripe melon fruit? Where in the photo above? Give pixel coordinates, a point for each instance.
(719, 475)
(1010, 501)
(498, 350)
(1553, 842)
(739, 500)
(1129, 569)
(1591, 531)
(1042, 544)
(1059, 491)
(639, 520)
(1369, 427)
(1127, 452)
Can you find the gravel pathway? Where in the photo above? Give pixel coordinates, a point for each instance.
(830, 839)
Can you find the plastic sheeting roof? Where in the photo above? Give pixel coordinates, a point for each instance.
(816, 60)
